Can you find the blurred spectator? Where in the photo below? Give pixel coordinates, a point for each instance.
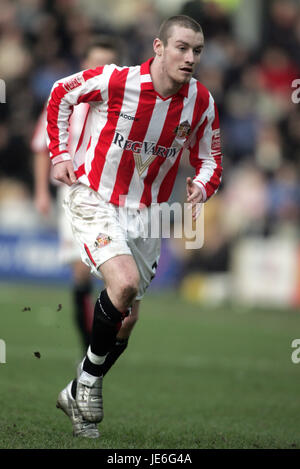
(281, 29)
(284, 199)
(268, 154)
(213, 17)
(240, 121)
(140, 34)
(290, 134)
(214, 256)
(277, 71)
(45, 75)
(244, 201)
(14, 58)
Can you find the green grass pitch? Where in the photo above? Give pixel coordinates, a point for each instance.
(192, 377)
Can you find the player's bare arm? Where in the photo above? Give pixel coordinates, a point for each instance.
(64, 172)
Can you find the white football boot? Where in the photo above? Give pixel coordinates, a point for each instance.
(89, 395)
(81, 427)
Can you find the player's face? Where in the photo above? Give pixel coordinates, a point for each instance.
(181, 54)
(98, 57)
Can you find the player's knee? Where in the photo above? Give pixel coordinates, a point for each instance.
(123, 289)
(127, 287)
(128, 291)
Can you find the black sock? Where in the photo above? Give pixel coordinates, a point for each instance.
(114, 354)
(91, 368)
(105, 328)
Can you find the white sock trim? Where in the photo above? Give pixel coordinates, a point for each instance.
(95, 359)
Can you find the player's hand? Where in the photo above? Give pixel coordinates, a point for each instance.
(42, 202)
(194, 197)
(64, 172)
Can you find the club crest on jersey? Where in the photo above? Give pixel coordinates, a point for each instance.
(102, 240)
(183, 130)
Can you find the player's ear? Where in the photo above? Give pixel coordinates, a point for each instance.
(158, 46)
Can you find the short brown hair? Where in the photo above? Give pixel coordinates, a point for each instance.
(180, 20)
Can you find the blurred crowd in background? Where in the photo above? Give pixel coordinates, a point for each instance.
(250, 76)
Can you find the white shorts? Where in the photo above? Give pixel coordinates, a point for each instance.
(104, 231)
(69, 251)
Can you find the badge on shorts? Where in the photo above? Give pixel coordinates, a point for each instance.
(102, 240)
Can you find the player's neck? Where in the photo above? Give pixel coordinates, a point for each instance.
(162, 84)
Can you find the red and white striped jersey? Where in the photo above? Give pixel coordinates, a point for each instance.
(132, 139)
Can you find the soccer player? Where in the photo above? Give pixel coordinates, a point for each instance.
(140, 120)
(100, 51)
